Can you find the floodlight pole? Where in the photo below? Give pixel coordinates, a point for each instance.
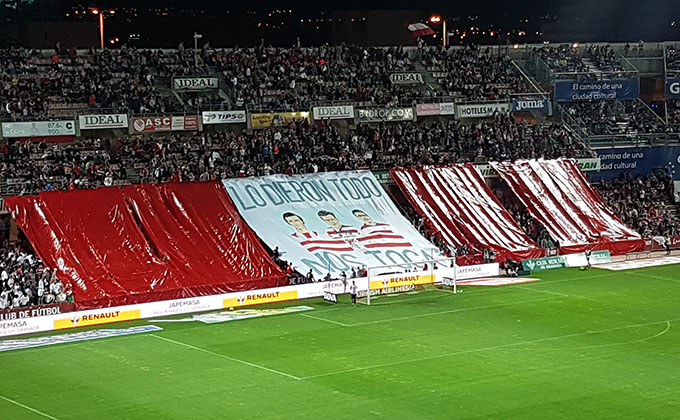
(197, 36)
(101, 30)
(445, 37)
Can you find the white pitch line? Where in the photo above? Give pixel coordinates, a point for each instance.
(597, 346)
(577, 278)
(450, 312)
(500, 346)
(179, 343)
(326, 320)
(28, 408)
(655, 277)
(541, 291)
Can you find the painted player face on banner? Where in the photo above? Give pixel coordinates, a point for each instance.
(361, 215)
(330, 219)
(334, 221)
(295, 221)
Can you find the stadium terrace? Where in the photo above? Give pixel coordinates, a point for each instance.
(327, 205)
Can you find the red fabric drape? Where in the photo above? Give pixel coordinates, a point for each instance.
(557, 194)
(142, 243)
(458, 204)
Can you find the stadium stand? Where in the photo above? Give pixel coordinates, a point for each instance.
(287, 79)
(673, 117)
(574, 58)
(475, 73)
(562, 59)
(614, 118)
(25, 281)
(672, 58)
(65, 82)
(603, 58)
(301, 148)
(37, 83)
(644, 203)
(34, 83)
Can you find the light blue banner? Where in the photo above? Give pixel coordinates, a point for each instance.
(330, 222)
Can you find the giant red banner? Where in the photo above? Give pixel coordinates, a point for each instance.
(458, 204)
(557, 194)
(142, 243)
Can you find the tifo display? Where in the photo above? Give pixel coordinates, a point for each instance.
(224, 190)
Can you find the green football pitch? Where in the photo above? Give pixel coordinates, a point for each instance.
(577, 344)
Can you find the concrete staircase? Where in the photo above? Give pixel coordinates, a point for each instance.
(430, 82)
(592, 67)
(671, 208)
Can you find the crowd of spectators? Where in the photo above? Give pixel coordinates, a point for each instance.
(643, 203)
(533, 228)
(32, 83)
(564, 58)
(474, 73)
(25, 281)
(614, 117)
(673, 106)
(291, 78)
(604, 58)
(673, 114)
(673, 59)
(298, 148)
(573, 58)
(32, 167)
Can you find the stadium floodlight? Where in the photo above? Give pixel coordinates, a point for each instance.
(96, 12)
(396, 278)
(436, 19)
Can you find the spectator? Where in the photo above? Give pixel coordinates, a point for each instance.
(23, 279)
(642, 203)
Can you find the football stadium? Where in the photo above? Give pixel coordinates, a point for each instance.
(339, 210)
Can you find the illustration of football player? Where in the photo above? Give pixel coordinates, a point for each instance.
(337, 230)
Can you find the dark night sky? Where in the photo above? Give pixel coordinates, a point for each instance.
(547, 20)
(446, 6)
(607, 16)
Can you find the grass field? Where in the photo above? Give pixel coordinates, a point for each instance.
(579, 345)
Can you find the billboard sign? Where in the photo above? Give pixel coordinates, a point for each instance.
(188, 84)
(223, 117)
(339, 112)
(166, 123)
(443, 108)
(369, 115)
(410, 78)
(637, 161)
(596, 90)
(531, 105)
(38, 129)
(276, 119)
(103, 121)
(481, 110)
(673, 88)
